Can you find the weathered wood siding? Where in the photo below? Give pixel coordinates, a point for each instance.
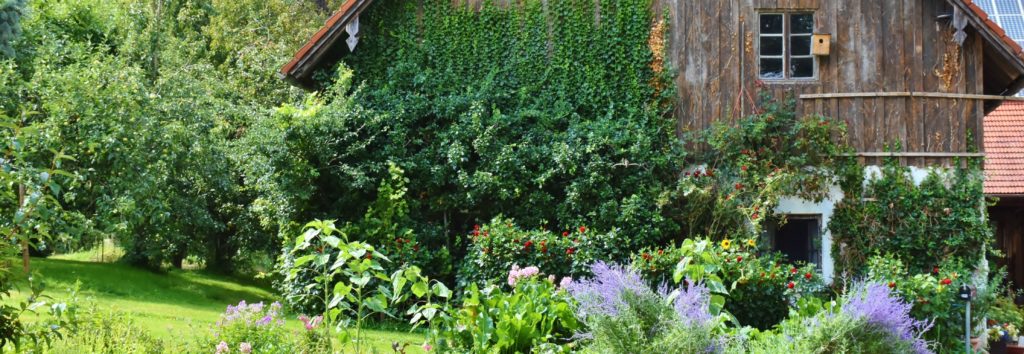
(877, 46)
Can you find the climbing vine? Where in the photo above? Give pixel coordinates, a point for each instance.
(940, 220)
(493, 111)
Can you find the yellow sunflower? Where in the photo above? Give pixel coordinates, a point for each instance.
(751, 243)
(726, 243)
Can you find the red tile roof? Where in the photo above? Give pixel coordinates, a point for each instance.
(1008, 42)
(1004, 149)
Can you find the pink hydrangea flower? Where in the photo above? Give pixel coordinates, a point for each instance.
(521, 273)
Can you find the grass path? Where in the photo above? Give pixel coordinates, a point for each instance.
(175, 306)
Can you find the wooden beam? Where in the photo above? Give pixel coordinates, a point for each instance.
(818, 96)
(916, 154)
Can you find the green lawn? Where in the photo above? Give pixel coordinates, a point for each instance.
(176, 306)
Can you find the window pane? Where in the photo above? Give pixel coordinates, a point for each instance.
(771, 45)
(801, 67)
(771, 68)
(800, 45)
(771, 23)
(801, 23)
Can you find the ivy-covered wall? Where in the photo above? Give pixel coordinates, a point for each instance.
(927, 222)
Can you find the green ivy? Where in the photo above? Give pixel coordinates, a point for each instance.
(941, 220)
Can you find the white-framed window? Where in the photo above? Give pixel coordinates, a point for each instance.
(784, 46)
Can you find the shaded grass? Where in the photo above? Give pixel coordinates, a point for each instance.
(176, 306)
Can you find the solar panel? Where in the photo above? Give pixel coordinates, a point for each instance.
(1009, 14)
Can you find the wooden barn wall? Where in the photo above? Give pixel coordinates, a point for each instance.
(877, 46)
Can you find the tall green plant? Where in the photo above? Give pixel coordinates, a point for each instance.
(354, 281)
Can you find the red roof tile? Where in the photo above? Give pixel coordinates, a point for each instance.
(1004, 149)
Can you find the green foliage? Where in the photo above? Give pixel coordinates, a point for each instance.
(756, 288)
(934, 295)
(32, 175)
(56, 319)
(148, 96)
(826, 333)
(353, 281)
(1003, 310)
(894, 215)
(646, 323)
(755, 161)
(110, 332)
(497, 246)
(485, 120)
(11, 12)
(533, 315)
(259, 327)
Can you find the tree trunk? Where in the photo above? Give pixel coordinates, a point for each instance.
(24, 239)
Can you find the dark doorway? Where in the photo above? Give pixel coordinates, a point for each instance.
(798, 238)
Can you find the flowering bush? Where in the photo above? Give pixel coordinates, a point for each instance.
(536, 314)
(625, 315)
(756, 289)
(933, 296)
(879, 306)
(1002, 332)
(870, 318)
(251, 328)
(499, 245)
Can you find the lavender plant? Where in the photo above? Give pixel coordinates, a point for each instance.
(878, 306)
(625, 315)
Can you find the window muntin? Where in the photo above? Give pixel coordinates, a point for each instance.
(784, 41)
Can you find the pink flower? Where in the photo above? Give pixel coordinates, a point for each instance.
(521, 273)
(245, 347)
(223, 347)
(427, 347)
(310, 323)
(565, 282)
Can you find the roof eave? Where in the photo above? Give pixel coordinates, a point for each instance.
(298, 71)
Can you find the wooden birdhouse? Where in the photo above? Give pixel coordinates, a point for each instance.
(820, 44)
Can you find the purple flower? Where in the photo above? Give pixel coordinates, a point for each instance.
(602, 295)
(265, 320)
(878, 306)
(692, 303)
(245, 347)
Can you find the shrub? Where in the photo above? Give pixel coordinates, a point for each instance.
(58, 320)
(890, 214)
(497, 246)
(870, 319)
(756, 288)
(257, 327)
(933, 296)
(535, 314)
(624, 315)
(111, 332)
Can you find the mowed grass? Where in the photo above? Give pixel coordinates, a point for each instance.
(176, 306)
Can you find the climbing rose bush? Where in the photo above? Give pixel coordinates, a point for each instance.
(499, 245)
